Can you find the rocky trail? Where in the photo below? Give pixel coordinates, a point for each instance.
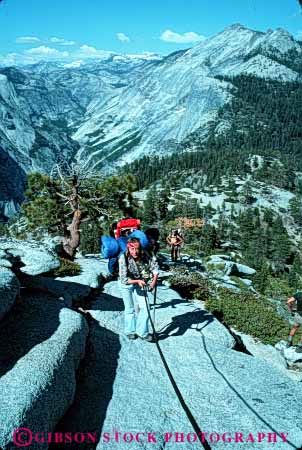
(66, 366)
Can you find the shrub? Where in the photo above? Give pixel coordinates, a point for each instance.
(67, 268)
(212, 267)
(90, 238)
(190, 285)
(4, 231)
(249, 314)
(240, 283)
(278, 288)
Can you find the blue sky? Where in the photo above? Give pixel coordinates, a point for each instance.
(74, 29)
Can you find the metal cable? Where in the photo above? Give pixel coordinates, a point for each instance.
(186, 409)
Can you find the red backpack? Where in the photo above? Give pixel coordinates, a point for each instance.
(127, 224)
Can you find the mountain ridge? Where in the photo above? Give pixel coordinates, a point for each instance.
(111, 111)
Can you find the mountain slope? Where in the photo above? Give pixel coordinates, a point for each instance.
(114, 110)
(180, 94)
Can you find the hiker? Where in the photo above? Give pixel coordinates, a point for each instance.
(153, 237)
(136, 270)
(175, 241)
(297, 314)
(181, 245)
(119, 231)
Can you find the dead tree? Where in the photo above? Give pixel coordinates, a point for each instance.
(71, 179)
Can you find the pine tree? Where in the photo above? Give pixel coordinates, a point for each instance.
(247, 194)
(261, 277)
(60, 203)
(151, 207)
(295, 273)
(163, 203)
(295, 207)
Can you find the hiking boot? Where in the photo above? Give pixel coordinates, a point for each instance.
(288, 344)
(299, 349)
(148, 338)
(131, 336)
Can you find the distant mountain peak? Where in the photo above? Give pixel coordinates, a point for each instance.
(236, 26)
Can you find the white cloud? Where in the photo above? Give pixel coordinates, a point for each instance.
(122, 37)
(56, 40)
(46, 51)
(68, 43)
(15, 59)
(86, 51)
(61, 41)
(27, 40)
(185, 38)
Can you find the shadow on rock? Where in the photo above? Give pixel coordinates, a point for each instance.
(30, 321)
(180, 324)
(107, 302)
(239, 346)
(94, 391)
(169, 304)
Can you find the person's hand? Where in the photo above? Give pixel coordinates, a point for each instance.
(141, 283)
(152, 286)
(290, 302)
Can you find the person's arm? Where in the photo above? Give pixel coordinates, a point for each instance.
(122, 266)
(154, 269)
(290, 303)
(154, 281)
(140, 283)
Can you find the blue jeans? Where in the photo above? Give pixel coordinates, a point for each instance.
(137, 324)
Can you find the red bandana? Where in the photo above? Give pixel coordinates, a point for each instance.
(133, 245)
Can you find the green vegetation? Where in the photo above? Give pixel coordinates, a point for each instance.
(67, 268)
(46, 204)
(60, 205)
(4, 231)
(191, 285)
(263, 118)
(90, 238)
(249, 314)
(214, 267)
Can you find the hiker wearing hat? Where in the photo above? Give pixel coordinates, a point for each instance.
(295, 300)
(136, 270)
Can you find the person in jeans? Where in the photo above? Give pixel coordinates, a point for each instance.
(297, 314)
(136, 269)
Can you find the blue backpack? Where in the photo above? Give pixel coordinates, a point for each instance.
(109, 247)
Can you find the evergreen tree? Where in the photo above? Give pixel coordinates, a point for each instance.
(247, 194)
(208, 238)
(151, 211)
(295, 273)
(261, 277)
(295, 207)
(163, 203)
(281, 252)
(60, 203)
